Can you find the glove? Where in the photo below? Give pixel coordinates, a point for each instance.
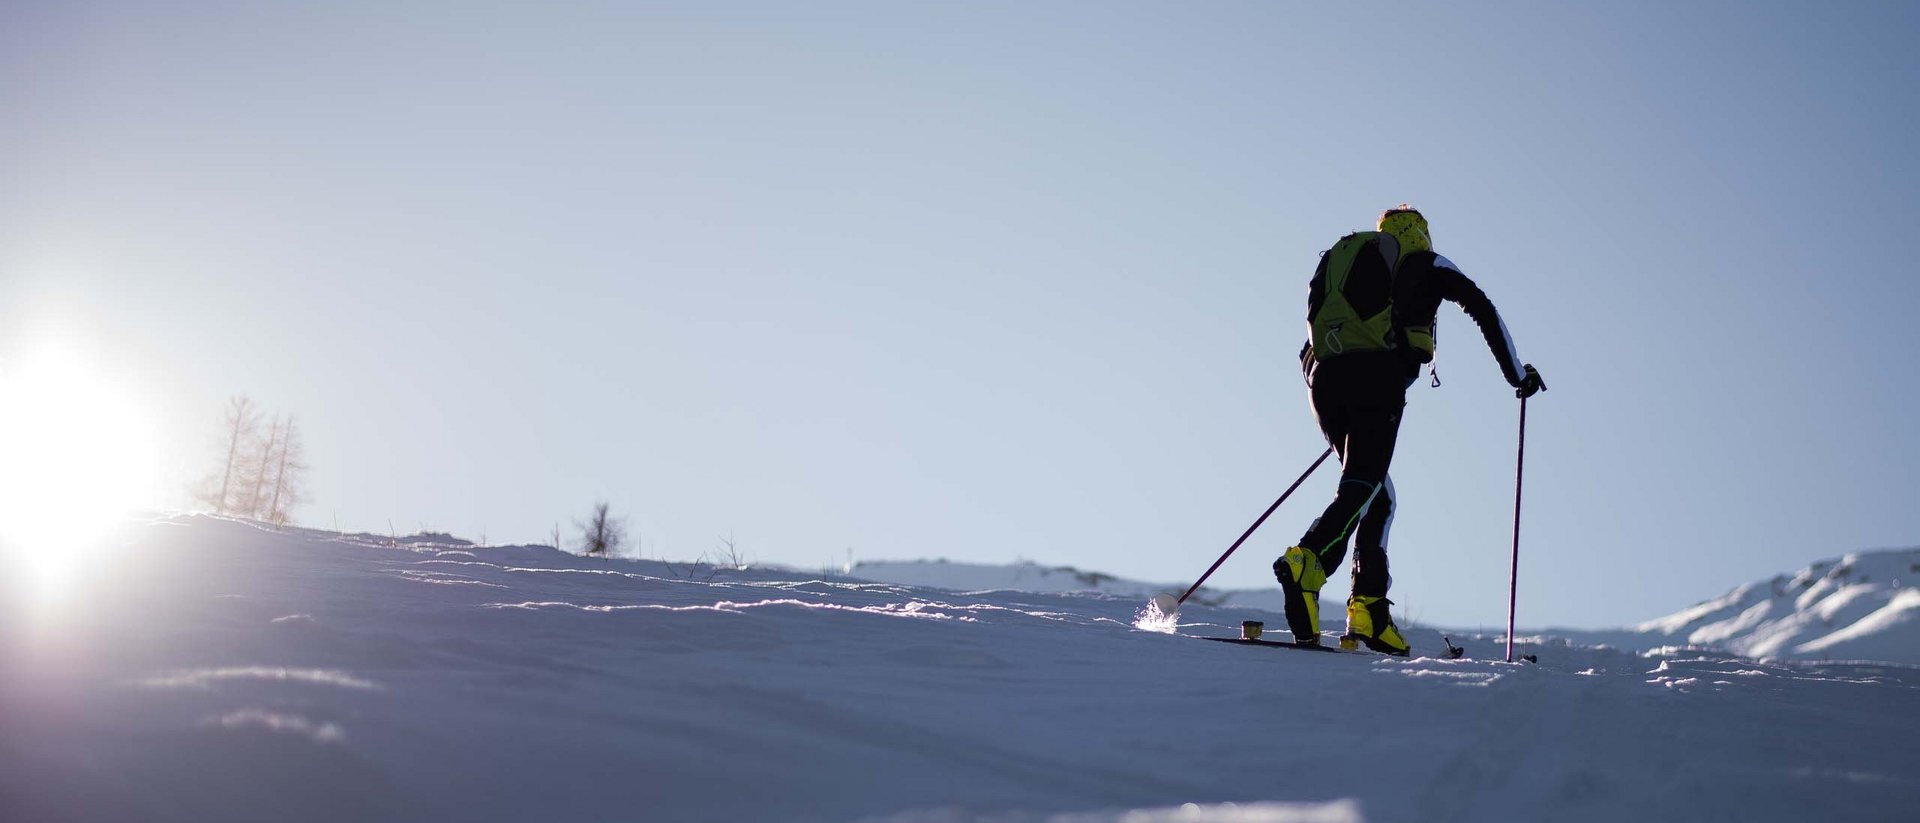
(1529, 385)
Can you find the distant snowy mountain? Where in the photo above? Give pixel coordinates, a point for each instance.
(1859, 607)
(1027, 576)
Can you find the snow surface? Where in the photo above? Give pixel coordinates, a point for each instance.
(210, 670)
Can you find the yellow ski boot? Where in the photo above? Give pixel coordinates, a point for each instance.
(1369, 622)
(1301, 577)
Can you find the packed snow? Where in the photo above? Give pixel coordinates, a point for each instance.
(211, 670)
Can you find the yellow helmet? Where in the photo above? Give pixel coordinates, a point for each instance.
(1406, 225)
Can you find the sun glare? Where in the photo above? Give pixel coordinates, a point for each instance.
(75, 458)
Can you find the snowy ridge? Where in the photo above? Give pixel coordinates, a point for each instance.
(1024, 576)
(1862, 606)
(199, 669)
(1027, 576)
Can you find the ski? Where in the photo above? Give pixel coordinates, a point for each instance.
(1279, 644)
(1453, 652)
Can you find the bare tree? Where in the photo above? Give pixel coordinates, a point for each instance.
(728, 555)
(693, 571)
(602, 534)
(237, 436)
(262, 473)
(254, 472)
(289, 474)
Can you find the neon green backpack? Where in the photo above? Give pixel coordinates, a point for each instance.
(1352, 296)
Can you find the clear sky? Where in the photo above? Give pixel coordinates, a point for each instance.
(989, 281)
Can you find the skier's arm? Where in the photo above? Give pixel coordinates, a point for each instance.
(1316, 294)
(1452, 284)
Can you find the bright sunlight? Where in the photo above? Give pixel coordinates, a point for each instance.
(75, 458)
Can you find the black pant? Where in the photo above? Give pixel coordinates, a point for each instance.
(1358, 399)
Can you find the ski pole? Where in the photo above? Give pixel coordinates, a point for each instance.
(1513, 577)
(1250, 529)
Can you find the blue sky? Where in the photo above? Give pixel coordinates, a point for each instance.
(994, 281)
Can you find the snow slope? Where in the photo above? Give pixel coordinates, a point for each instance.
(206, 670)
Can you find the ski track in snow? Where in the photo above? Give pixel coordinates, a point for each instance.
(225, 671)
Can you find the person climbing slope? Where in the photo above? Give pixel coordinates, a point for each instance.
(1370, 313)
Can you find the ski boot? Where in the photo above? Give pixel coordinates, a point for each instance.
(1369, 622)
(1301, 577)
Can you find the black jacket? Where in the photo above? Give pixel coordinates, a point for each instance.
(1422, 280)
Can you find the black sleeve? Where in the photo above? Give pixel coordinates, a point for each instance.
(1317, 288)
(1316, 294)
(1452, 284)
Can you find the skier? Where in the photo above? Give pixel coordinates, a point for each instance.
(1370, 311)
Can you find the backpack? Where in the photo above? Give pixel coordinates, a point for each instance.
(1350, 304)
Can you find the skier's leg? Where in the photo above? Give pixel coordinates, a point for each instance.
(1369, 403)
(1302, 571)
(1370, 575)
(1369, 615)
(1298, 569)
(1371, 433)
